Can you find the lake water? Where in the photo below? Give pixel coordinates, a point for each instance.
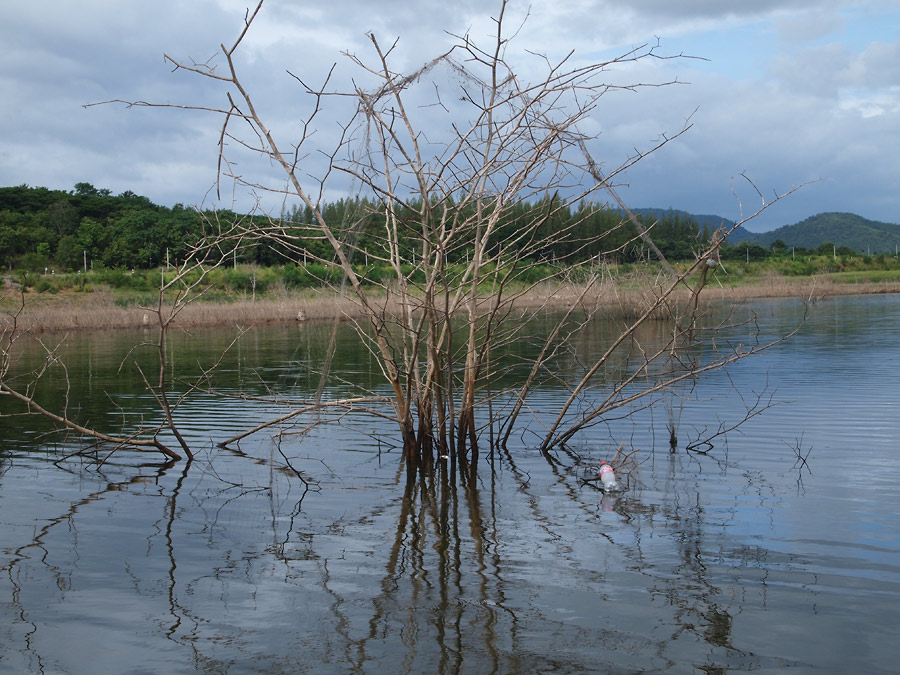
(744, 559)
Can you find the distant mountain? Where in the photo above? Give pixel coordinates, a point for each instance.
(841, 229)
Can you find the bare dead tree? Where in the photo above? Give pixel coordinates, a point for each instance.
(442, 173)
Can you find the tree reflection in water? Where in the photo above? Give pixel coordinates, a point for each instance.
(443, 568)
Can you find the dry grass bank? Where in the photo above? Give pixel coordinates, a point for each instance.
(823, 286)
(100, 310)
(637, 295)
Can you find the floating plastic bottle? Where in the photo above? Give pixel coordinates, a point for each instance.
(608, 477)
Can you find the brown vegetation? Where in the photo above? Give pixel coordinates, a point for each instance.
(99, 310)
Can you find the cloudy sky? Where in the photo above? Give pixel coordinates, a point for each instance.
(786, 91)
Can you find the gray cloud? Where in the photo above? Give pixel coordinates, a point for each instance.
(818, 108)
(806, 27)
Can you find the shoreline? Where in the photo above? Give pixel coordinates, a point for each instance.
(101, 310)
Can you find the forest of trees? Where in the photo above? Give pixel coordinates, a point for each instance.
(90, 227)
(52, 228)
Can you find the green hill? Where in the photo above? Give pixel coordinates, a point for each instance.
(841, 229)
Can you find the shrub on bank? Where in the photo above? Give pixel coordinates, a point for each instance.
(798, 268)
(309, 276)
(122, 279)
(44, 285)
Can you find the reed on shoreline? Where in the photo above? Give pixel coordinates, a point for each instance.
(101, 310)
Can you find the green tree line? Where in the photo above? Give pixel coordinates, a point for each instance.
(90, 227)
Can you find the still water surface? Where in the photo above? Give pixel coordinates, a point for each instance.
(741, 560)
